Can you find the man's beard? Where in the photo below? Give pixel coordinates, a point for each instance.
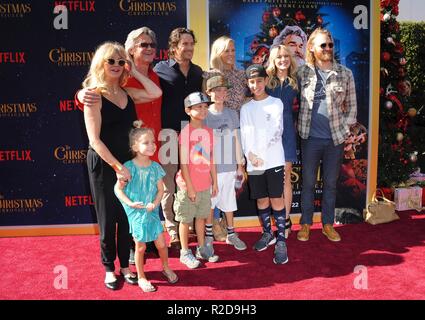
(300, 61)
(326, 57)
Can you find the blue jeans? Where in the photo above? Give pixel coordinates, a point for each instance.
(217, 213)
(313, 150)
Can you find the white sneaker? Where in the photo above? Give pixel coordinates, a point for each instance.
(187, 258)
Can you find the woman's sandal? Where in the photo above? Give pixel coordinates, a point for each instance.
(146, 286)
(288, 225)
(171, 276)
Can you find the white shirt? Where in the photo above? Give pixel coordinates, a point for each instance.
(261, 132)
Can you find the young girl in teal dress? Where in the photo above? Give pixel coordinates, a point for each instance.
(141, 197)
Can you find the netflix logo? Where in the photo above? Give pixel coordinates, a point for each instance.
(79, 6)
(77, 201)
(12, 57)
(67, 106)
(15, 155)
(162, 55)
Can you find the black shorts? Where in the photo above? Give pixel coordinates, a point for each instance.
(269, 184)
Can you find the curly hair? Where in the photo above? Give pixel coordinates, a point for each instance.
(175, 37)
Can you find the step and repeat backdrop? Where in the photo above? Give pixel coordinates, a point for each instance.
(45, 52)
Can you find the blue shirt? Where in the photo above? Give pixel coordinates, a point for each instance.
(320, 127)
(289, 138)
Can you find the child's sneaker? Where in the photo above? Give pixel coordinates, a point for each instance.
(209, 249)
(206, 253)
(187, 258)
(209, 241)
(267, 239)
(234, 240)
(280, 253)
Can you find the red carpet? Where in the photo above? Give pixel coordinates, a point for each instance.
(393, 254)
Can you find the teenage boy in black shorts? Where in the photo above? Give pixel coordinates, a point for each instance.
(261, 135)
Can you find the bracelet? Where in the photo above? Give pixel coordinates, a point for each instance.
(116, 167)
(77, 102)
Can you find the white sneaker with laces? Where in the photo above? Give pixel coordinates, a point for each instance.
(187, 258)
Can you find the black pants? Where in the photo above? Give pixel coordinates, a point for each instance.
(111, 217)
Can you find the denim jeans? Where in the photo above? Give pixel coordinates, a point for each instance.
(313, 150)
(217, 213)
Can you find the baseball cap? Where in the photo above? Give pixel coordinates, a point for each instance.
(196, 98)
(217, 81)
(255, 71)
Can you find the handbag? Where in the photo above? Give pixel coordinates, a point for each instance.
(380, 211)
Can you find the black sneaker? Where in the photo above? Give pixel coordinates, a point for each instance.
(267, 239)
(280, 253)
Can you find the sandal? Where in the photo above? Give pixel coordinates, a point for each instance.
(146, 286)
(171, 276)
(288, 225)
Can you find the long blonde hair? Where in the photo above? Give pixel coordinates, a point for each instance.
(218, 47)
(310, 59)
(272, 70)
(96, 75)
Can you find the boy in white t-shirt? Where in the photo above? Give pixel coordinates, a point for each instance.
(261, 136)
(228, 157)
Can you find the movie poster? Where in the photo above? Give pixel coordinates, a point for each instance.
(256, 25)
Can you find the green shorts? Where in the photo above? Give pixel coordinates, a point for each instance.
(186, 210)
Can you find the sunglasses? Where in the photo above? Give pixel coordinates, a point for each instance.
(330, 45)
(147, 44)
(111, 61)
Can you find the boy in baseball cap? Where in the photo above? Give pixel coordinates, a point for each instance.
(228, 158)
(255, 71)
(196, 180)
(261, 135)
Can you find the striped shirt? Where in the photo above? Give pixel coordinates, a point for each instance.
(340, 98)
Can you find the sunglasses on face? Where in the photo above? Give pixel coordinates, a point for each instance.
(111, 61)
(147, 44)
(330, 45)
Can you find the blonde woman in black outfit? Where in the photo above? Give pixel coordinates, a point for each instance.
(107, 123)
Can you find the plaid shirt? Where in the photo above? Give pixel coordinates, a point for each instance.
(340, 98)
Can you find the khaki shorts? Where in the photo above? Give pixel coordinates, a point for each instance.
(187, 210)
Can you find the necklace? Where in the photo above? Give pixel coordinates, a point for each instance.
(114, 91)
